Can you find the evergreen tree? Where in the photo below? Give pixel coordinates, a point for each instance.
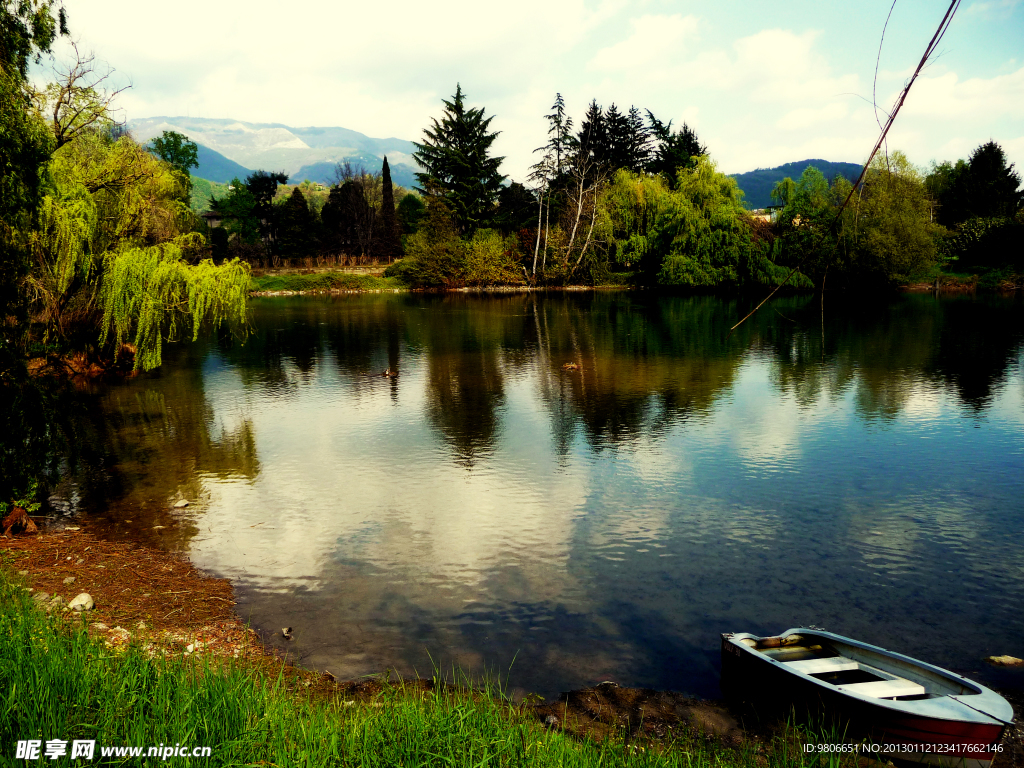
(618, 138)
(638, 142)
(674, 151)
(561, 142)
(455, 156)
(593, 135)
(295, 236)
(991, 184)
(262, 185)
(389, 241)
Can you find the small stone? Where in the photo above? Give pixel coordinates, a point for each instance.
(286, 633)
(72, 528)
(146, 594)
(141, 625)
(127, 521)
(40, 597)
(69, 580)
(1005, 661)
(181, 504)
(551, 721)
(69, 557)
(23, 573)
(82, 602)
(190, 648)
(159, 527)
(79, 561)
(99, 626)
(56, 603)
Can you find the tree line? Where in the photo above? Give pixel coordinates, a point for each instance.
(356, 220)
(626, 197)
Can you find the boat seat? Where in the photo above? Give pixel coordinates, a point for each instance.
(819, 666)
(884, 689)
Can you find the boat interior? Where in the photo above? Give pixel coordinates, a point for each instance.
(857, 670)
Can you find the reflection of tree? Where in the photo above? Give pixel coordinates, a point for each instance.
(978, 342)
(154, 441)
(642, 365)
(889, 348)
(465, 340)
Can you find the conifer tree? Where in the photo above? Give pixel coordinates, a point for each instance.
(455, 156)
(593, 135)
(389, 243)
(674, 150)
(295, 238)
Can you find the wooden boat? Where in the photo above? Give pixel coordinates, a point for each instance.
(903, 708)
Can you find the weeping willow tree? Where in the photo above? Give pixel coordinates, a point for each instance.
(115, 260)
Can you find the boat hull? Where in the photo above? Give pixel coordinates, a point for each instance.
(772, 689)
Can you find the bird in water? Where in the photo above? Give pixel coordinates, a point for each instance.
(388, 373)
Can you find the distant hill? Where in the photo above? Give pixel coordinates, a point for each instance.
(757, 185)
(215, 167)
(300, 152)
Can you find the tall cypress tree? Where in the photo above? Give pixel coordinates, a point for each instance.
(389, 243)
(456, 162)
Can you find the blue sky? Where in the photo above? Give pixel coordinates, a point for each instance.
(762, 84)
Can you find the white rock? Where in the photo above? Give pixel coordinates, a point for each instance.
(82, 602)
(69, 580)
(189, 648)
(181, 504)
(141, 625)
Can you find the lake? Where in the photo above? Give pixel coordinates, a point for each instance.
(592, 485)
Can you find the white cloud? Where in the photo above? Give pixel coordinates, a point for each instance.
(655, 41)
(763, 97)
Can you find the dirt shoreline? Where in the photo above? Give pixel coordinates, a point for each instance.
(161, 600)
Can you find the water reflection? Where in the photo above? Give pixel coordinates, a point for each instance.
(601, 519)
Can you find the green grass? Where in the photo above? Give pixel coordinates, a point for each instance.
(325, 281)
(58, 683)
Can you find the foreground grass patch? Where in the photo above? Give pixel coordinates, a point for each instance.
(324, 281)
(58, 683)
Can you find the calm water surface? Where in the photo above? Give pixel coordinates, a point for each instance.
(603, 522)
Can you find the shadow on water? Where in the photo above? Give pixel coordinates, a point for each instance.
(595, 484)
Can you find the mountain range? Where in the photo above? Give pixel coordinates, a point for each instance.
(231, 149)
(757, 185)
(234, 148)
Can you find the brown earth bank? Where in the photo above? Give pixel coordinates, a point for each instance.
(160, 600)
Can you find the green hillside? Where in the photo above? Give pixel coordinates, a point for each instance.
(757, 185)
(203, 190)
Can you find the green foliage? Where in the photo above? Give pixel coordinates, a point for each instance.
(203, 193)
(176, 150)
(438, 257)
(458, 168)
(888, 236)
(239, 211)
(151, 295)
(27, 27)
(673, 151)
(410, 211)
(702, 233)
(295, 228)
(984, 187)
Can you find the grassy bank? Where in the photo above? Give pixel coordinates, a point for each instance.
(324, 282)
(58, 682)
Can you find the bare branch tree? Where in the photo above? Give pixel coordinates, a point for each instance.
(80, 99)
